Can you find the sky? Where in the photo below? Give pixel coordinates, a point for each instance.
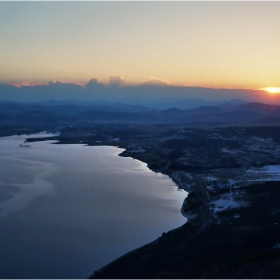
(206, 44)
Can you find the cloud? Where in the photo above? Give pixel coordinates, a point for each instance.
(93, 83)
(59, 84)
(27, 84)
(156, 82)
(116, 80)
(52, 83)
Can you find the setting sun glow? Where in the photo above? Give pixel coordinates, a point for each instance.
(272, 89)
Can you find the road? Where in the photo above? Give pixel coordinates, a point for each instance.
(207, 217)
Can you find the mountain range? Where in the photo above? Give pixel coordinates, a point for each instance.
(230, 112)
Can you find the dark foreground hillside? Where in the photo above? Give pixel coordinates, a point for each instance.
(244, 247)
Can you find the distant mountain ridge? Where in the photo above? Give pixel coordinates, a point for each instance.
(224, 113)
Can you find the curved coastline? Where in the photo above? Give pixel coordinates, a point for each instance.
(96, 273)
(162, 171)
(143, 166)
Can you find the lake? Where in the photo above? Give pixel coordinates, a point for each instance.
(68, 210)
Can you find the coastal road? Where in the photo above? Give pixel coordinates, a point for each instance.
(206, 218)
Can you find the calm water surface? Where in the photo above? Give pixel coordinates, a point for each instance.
(67, 210)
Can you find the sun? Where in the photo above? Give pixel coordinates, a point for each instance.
(272, 90)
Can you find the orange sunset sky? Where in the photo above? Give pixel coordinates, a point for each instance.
(208, 44)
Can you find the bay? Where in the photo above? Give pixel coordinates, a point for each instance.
(67, 210)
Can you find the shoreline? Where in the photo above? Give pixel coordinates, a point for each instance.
(171, 253)
(162, 171)
(191, 215)
(156, 241)
(36, 137)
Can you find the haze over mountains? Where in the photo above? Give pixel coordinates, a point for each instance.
(234, 111)
(154, 101)
(159, 96)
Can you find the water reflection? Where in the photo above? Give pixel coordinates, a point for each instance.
(72, 208)
(25, 191)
